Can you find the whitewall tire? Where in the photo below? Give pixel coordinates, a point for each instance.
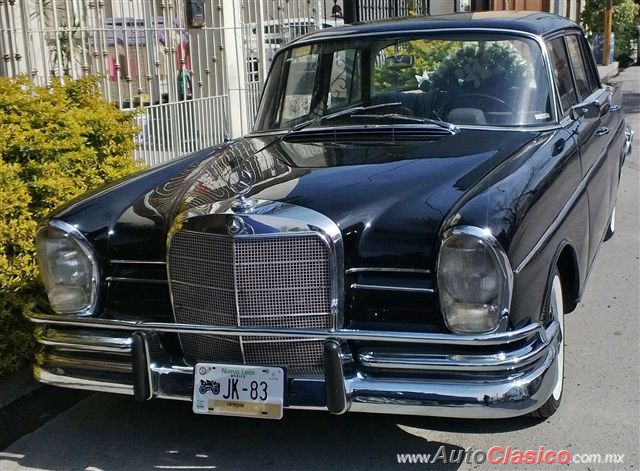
(612, 225)
(556, 312)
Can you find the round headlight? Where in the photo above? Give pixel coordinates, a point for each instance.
(474, 280)
(68, 269)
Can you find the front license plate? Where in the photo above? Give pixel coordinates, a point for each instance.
(247, 391)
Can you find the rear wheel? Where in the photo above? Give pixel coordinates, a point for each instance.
(612, 226)
(556, 312)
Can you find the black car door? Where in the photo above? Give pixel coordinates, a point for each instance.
(577, 84)
(599, 165)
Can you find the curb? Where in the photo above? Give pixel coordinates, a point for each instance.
(607, 72)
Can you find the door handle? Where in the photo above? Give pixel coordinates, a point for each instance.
(602, 131)
(615, 108)
(558, 146)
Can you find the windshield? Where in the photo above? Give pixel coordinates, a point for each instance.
(472, 79)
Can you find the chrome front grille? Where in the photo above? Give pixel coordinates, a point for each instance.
(256, 281)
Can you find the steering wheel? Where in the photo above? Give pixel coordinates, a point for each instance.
(482, 96)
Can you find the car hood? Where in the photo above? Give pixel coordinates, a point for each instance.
(389, 197)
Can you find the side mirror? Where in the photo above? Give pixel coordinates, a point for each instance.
(587, 110)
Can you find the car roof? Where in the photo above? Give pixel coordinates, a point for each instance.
(532, 22)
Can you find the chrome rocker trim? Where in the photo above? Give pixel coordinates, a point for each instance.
(517, 379)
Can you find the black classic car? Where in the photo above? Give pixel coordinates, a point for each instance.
(420, 203)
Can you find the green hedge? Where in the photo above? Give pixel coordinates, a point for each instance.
(55, 144)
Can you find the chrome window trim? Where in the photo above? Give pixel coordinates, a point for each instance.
(565, 117)
(561, 113)
(504, 31)
(587, 67)
(503, 262)
(372, 127)
(88, 250)
(549, 127)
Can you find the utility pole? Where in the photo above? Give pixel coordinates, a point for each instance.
(608, 19)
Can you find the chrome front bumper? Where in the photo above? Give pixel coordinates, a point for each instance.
(516, 377)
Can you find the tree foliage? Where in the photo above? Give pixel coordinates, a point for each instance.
(624, 23)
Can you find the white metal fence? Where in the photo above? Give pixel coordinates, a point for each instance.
(382, 9)
(192, 69)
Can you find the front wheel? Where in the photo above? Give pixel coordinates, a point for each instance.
(556, 312)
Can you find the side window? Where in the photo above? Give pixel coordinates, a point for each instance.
(589, 63)
(579, 68)
(318, 81)
(299, 89)
(345, 79)
(562, 74)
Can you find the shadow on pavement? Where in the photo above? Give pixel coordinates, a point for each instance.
(114, 432)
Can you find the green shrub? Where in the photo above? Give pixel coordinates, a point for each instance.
(55, 144)
(624, 24)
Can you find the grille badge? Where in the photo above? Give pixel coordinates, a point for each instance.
(235, 225)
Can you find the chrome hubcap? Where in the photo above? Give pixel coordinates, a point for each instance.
(612, 224)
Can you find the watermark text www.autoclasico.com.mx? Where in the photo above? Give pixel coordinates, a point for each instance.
(508, 456)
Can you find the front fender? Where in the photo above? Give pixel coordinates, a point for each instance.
(529, 203)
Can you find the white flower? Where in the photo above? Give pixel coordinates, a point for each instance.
(422, 78)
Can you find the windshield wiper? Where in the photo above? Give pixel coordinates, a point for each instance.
(452, 128)
(337, 114)
(319, 119)
(354, 111)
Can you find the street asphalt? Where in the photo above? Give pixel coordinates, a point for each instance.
(600, 413)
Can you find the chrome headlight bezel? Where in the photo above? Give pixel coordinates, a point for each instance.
(503, 269)
(86, 250)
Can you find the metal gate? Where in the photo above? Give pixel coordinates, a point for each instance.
(192, 70)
